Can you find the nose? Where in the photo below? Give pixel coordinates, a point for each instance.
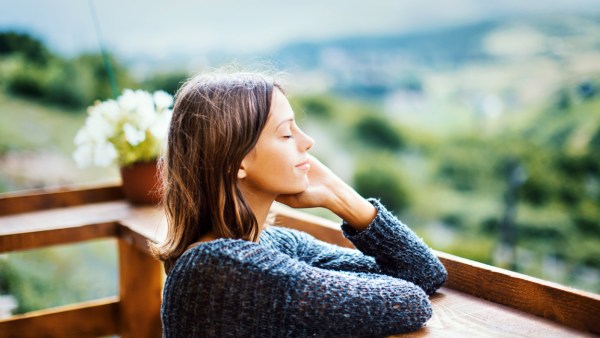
(306, 142)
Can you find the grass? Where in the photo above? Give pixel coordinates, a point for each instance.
(28, 125)
(60, 275)
(36, 143)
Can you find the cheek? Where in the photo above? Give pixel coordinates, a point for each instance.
(279, 155)
(275, 171)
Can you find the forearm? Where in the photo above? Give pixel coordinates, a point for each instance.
(351, 207)
(398, 250)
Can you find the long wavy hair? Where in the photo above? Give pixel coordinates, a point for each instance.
(217, 119)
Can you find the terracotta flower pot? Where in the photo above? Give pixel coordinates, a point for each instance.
(140, 183)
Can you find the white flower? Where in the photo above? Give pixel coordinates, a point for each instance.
(127, 101)
(160, 127)
(144, 99)
(145, 113)
(144, 117)
(83, 155)
(98, 128)
(110, 110)
(101, 154)
(104, 154)
(133, 135)
(82, 137)
(162, 100)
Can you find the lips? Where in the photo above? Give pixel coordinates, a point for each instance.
(303, 165)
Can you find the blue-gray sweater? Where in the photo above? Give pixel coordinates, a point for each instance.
(290, 284)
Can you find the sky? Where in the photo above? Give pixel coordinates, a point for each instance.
(162, 29)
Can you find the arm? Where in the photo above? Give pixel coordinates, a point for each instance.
(245, 289)
(398, 251)
(387, 247)
(393, 248)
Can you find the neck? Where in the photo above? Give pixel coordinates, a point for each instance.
(260, 205)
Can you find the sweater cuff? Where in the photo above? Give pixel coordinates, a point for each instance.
(379, 221)
(385, 226)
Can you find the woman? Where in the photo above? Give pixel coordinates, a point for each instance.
(233, 149)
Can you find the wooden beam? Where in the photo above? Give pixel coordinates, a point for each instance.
(35, 200)
(325, 230)
(90, 319)
(130, 231)
(140, 287)
(43, 238)
(568, 306)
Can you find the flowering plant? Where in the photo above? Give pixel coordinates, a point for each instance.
(132, 128)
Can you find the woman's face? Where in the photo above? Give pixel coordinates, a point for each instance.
(278, 164)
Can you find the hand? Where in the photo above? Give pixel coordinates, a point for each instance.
(321, 188)
(327, 190)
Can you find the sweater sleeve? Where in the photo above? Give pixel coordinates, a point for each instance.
(245, 289)
(387, 247)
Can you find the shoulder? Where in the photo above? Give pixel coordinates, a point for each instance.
(227, 257)
(219, 251)
(280, 234)
(288, 241)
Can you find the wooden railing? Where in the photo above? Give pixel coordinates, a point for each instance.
(134, 313)
(467, 305)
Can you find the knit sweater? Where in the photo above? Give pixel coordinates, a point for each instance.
(290, 284)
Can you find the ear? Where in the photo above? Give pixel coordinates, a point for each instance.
(242, 172)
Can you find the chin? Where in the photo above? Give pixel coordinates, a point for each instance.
(299, 187)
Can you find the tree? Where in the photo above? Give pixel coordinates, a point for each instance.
(384, 181)
(378, 132)
(22, 43)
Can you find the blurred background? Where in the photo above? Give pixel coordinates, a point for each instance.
(478, 123)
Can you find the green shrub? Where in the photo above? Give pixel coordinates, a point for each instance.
(467, 164)
(65, 86)
(28, 81)
(587, 218)
(92, 71)
(384, 181)
(379, 132)
(32, 49)
(320, 106)
(169, 82)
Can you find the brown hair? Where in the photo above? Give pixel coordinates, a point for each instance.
(217, 119)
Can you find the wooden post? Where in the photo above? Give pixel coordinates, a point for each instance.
(140, 288)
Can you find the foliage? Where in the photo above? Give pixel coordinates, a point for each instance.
(318, 106)
(32, 49)
(463, 163)
(29, 126)
(169, 82)
(28, 82)
(38, 74)
(378, 132)
(57, 82)
(381, 180)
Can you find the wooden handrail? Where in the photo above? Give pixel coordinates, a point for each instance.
(36, 200)
(44, 238)
(89, 319)
(137, 309)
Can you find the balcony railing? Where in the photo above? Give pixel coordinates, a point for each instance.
(477, 299)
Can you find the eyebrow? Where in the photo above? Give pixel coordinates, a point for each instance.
(284, 121)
